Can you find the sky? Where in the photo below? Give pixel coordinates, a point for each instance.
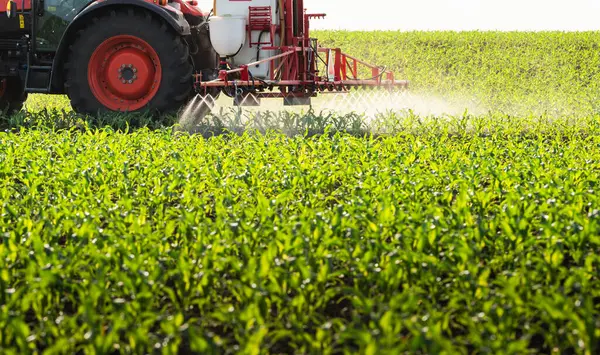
(454, 15)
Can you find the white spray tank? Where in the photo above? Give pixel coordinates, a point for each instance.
(230, 37)
(227, 34)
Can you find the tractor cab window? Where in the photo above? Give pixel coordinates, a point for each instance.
(57, 16)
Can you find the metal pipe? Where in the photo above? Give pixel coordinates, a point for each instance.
(360, 61)
(372, 83)
(237, 70)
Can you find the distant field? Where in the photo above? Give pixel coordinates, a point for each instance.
(308, 233)
(520, 73)
(514, 73)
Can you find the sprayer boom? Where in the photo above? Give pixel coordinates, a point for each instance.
(287, 63)
(342, 77)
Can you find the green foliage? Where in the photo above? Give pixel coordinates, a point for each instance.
(434, 240)
(306, 233)
(511, 72)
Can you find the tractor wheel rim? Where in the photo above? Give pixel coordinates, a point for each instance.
(124, 73)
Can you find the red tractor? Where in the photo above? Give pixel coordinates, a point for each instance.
(134, 55)
(116, 55)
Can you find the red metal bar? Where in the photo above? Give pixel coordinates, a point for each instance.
(360, 61)
(282, 83)
(375, 73)
(289, 23)
(338, 64)
(223, 75)
(285, 68)
(279, 67)
(306, 26)
(292, 68)
(245, 76)
(272, 70)
(270, 95)
(349, 68)
(301, 58)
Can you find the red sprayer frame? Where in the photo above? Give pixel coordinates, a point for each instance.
(295, 71)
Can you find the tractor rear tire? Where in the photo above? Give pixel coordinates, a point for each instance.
(128, 61)
(12, 95)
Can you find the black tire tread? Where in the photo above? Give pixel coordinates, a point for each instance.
(176, 86)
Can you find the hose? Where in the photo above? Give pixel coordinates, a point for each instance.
(258, 47)
(282, 22)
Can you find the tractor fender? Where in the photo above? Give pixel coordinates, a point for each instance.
(172, 16)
